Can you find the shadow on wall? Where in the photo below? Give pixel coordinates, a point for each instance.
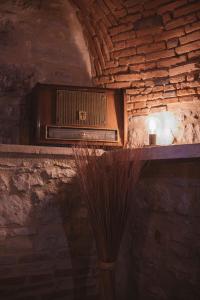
(81, 243)
(75, 274)
(46, 244)
(159, 258)
(42, 41)
(129, 265)
(41, 253)
(161, 247)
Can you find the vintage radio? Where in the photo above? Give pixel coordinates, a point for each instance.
(64, 115)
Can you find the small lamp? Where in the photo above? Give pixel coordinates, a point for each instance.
(152, 131)
(162, 127)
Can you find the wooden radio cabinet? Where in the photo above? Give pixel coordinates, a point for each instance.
(67, 115)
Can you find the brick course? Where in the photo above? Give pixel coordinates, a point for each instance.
(183, 69)
(137, 59)
(192, 27)
(187, 9)
(128, 77)
(151, 48)
(148, 51)
(188, 47)
(124, 53)
(120, 28)
(190, 38)
(147, 39)
(159, 55)
(174, 23)
(167, 35)
(171, 6)
(171, 61)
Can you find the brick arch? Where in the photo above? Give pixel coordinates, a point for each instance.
(131, 36)
(102, 21)
(151, 48)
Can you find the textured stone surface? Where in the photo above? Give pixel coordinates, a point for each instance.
(186, 132)
(46, 245)
(161, 249)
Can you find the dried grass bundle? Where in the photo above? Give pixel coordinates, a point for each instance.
(107, 182)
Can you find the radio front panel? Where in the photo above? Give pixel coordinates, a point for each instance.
(64, 115)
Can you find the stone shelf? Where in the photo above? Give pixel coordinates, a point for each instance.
(184, 151)
(151, 153)
(35, 150)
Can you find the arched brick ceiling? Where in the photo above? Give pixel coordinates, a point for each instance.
(101, 21)
(122, 35)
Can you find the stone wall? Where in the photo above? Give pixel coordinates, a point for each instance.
(46, 244)
(41, 41)
(151, 49)
(160, 255)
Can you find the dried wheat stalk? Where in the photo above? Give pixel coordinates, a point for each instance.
(107, 182)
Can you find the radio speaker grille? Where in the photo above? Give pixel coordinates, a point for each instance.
(80, 108)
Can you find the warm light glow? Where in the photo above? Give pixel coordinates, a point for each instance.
(152, 125)
(164, 125)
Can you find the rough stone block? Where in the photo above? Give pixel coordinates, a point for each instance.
(143, 67)
(166, 18)
(14, 210)
(183, 69)
(154, 96)
(170, 94)
(116, 70)
(159, 55)
(140, 104)
(124, 53)
(133, 18)
(154, 74)
(134, 91)
(118, 85)
(128, 77)
(170, 34)
(171, 61)
(152, 30)
(187, 9)
(194, 54)
(150, 48)
(120, 28)
(178, 22)
(177, 79)
(147, 39)
(158, 88)
(172, 43)
(190, 38)
(139, 98)
(158, 108)
(192, 27)
(137, 59)
(185, 92)
(171, 6)
(123, 36)
(25, 181)
(132, 9)
(119, 45)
